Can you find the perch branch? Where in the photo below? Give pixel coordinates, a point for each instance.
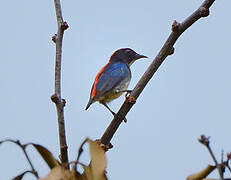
(56, 97)
(167, 49)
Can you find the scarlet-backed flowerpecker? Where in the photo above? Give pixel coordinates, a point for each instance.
(113, 79)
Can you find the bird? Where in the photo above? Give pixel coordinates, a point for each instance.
(114, 78)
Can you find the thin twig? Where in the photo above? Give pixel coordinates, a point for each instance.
(22, 175)
(167, 49)
(56, 97)
(205, 141)
(215, 161)
(23, 147)
(79, 153)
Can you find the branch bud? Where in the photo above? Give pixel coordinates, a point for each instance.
(204, 12)
(175, 26)
(54, 98)
(64, 25)
(204, 140)
(54, 38)
(171, 51)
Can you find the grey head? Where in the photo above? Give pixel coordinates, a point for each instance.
(126, 55)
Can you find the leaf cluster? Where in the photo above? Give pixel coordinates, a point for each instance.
(95, 170)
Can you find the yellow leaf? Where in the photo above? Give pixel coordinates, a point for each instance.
(19, 177)
(95, 171)
(87, 174)
(202, 174)
(98, 161)
(59, 173)
(46, 155)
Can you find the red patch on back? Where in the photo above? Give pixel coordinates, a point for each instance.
(94, 91)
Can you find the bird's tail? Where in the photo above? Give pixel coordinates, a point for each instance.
(91, 100)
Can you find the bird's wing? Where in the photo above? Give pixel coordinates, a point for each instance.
(112, 75)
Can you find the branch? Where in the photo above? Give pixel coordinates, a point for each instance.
(167, 49)
(23, 147)
(205, 141)
(56, 97)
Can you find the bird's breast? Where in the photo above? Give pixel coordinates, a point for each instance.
(123, 85)
(117, 90)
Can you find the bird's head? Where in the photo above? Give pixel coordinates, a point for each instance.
(126, 55)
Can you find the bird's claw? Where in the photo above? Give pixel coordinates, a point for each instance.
(128, 92)
(131, 99)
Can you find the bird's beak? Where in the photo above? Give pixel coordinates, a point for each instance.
(139, 56)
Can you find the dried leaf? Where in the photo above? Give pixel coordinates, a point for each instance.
(19, 177)
(95, 171)
(87, 174)
(98, 161)
(46, 155)
(59, 173)
(202, 174)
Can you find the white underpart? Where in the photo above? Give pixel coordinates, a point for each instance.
(123, 85)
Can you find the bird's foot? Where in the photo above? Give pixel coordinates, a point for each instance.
(128, 92)
(117, 116)
(131, 99)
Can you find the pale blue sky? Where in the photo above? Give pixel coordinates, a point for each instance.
(188, 96)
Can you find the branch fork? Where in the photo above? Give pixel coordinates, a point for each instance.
(204, 12)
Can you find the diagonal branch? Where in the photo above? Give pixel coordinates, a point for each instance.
(167, 49)
(56, 97)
